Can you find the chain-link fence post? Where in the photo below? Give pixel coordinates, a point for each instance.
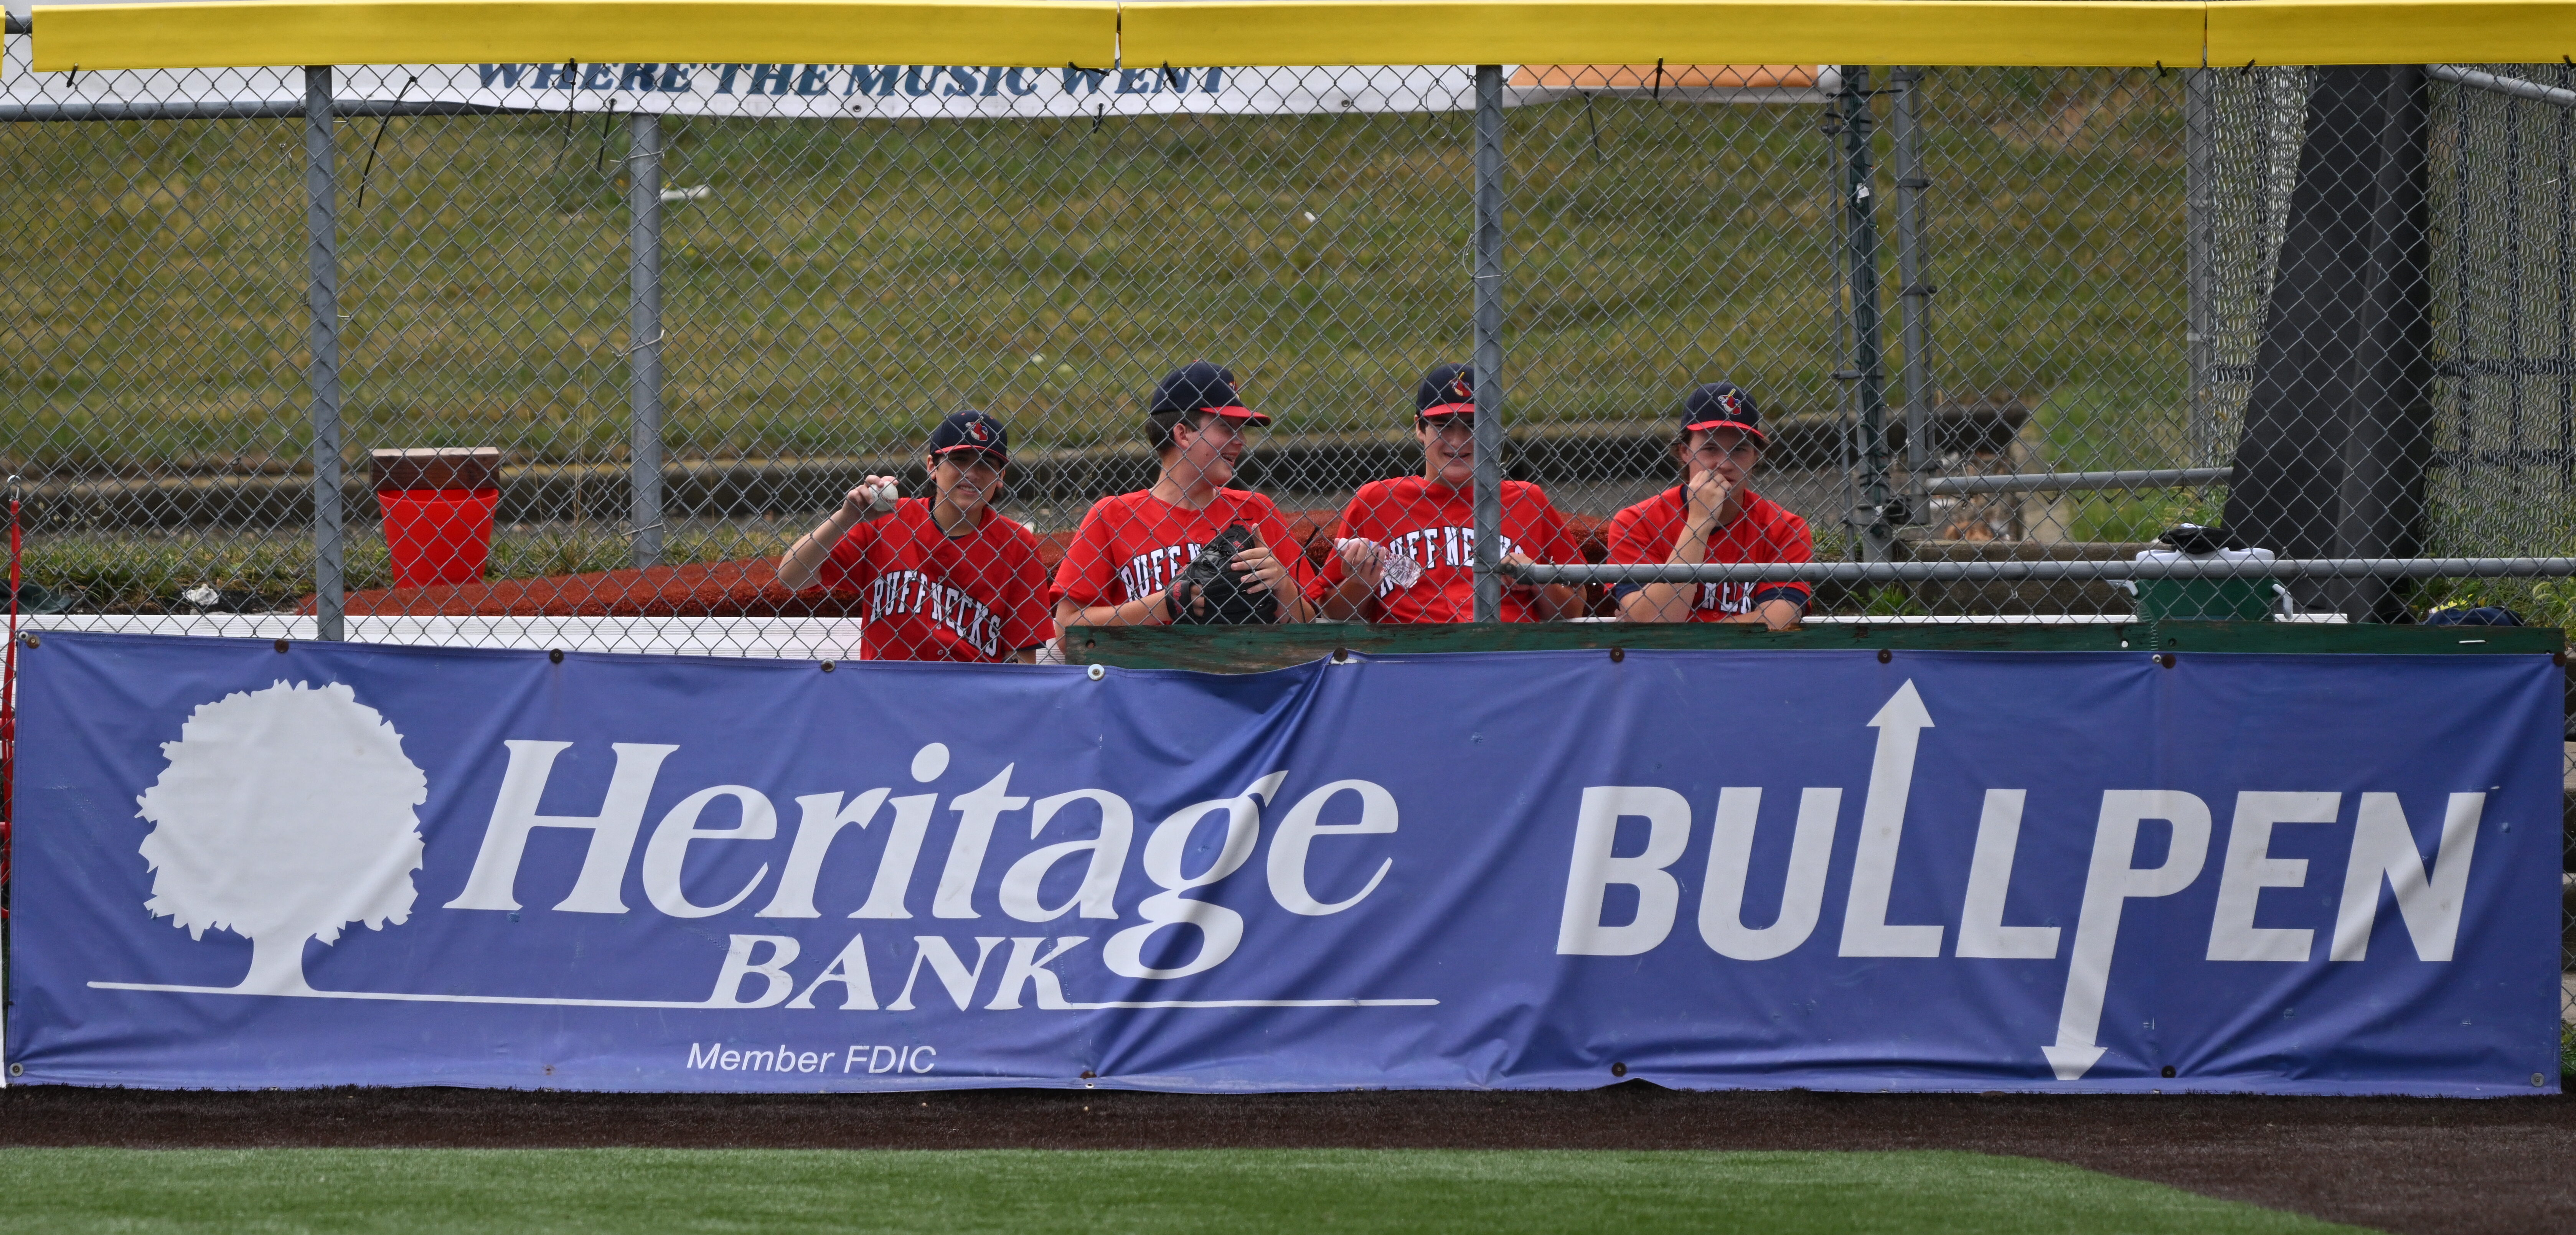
(1489, 341)
(2200, 327)
(1914, 289)
(322, 302)
(644, 334)
(1868, 518)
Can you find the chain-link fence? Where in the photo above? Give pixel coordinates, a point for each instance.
(1996, 331)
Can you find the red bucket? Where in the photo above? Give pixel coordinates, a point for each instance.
(439, 535)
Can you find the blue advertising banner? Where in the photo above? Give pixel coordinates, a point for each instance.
(340, 864)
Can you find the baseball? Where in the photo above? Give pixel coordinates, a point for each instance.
(882, 498)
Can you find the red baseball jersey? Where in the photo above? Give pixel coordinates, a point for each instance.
(1130, 546)
(1435, 525)
(1764, 532)
(930, 596)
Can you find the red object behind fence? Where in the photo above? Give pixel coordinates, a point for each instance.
(438, 504)
(439, 535)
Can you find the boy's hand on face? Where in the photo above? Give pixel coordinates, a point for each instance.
(1707, 494)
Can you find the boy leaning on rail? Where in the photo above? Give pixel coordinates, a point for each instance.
(1712, 518)
(1134, 552)
(945, 577)
(1405, 550)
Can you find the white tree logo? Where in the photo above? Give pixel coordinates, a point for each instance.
(284, 814)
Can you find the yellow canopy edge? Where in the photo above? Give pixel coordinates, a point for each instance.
(2173, 33)
(280, 32)
(1313, 32)
(2390, 31)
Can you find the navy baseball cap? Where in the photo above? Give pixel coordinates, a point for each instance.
(2483, 615)
(971, 430)
(1720, 405)
(1203, 387)
(1449, 390)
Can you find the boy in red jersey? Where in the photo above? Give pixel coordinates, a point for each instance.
(1712, 517)
(1406, 548)
(1119, 568)
(946, 578)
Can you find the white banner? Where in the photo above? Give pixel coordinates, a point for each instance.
(896, 91)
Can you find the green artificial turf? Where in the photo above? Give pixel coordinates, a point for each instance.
(1019, 1190)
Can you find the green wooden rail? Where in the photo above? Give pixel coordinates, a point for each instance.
(1251, 649)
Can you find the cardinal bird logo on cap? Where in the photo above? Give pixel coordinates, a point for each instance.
(1459, 386)
(1734, 406)
(977, 429)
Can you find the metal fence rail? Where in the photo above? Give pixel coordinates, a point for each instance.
(2070, 482)
(1980, 572)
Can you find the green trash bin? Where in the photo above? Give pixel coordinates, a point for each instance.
(2205, 600)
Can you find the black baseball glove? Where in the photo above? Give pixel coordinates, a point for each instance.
(1209, 592)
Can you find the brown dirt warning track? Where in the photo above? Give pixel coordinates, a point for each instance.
(2404, 1164)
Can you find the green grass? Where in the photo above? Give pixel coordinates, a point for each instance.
(850, 280)
(140, 1191)
(2141, 517)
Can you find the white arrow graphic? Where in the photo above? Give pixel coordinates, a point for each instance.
(1882, 824)
(2108, 885)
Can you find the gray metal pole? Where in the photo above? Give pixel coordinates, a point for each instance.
(2515, 86)
(1489, 342)
(644, 333)
(1846, 439)
(2057, 569)
(2200, 155)
(1914, 291)
(1869, 515)
(322, 303)
(2070, 482)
